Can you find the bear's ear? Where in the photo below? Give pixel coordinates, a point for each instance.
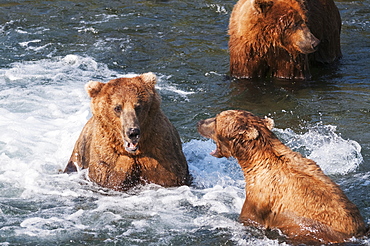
(149, 78)
(250, 133)
(269, 123)
(93, 88)
(263, 6)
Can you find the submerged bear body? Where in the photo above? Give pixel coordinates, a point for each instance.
(129, 140)
(284, 190)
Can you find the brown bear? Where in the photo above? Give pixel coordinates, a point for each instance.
(284, 190)
(281, 38)
(128, 140)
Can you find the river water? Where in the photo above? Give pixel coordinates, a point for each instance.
(50, 49)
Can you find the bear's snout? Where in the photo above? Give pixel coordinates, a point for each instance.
(200, 123)
(309, 43)
(133, 134)
(132, 141)
(314, 42)
(206, 127)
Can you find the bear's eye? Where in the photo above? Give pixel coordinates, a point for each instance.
(137, 108)
(118, 109)
(299, 24)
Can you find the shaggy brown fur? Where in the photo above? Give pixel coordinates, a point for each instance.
(129, 140)
(280, 37)
(284, 190)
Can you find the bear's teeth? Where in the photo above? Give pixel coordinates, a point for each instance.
(131, 146)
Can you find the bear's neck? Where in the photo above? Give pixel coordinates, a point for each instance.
(273, 157)
(261, 154)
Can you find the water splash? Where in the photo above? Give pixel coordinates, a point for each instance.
(322, 144)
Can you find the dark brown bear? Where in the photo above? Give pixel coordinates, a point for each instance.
(281, 38)
(284, 190)
(129, 140)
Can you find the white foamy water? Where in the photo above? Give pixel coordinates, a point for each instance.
(322, 144)
(43, 108)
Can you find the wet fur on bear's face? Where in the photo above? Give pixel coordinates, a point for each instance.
(274, 23)
(286, 25)
(231, 128)
(122, 106)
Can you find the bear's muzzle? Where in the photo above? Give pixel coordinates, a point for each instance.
(133, 134)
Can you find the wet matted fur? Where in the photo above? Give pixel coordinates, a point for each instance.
(284, 190)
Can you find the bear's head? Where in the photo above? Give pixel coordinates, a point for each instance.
(232, 130)
(284, 24)
(121, 108)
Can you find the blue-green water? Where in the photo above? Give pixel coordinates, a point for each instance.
(50, 49)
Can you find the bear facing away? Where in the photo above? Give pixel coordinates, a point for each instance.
(281, 38)
(284, 190)
(128, 140)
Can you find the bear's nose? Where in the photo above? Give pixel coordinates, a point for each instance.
(133, 133)
(314, 42)
(201, 122)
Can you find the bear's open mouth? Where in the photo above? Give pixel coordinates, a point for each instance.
(131, 147)
(213, 152)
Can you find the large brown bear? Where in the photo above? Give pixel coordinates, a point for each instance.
(284, 190)
(280, 38)
(129, 140)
